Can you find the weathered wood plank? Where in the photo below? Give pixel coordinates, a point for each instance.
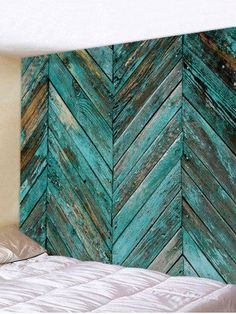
(147, 111)
(25, 62)
(55, 245)
(145, 164)
(33, 196)
(127, 58)
(213, 86)
(197, 259)
(208, 214)
(144, 83)
(73, 159)
(33, 114)
(148, 186)
(210, 187)
(35, 224)
(65, 195)
(33, 157)
(216, 49)
(33, 80)
(160, 233)
(169, 254)
(208, 245)
(178, 268)
(104, 58)
(213, 113)
(92, 80)
(68, 234)
(148, 136)
(101, 217)
(147, 215)
(80, 138)
(206, 143)
(188, 269)
(82, 109)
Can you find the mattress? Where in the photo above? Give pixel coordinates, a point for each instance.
(61, 284)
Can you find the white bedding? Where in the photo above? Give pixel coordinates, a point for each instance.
(60, 284)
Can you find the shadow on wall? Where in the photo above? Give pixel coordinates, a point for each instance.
(9, 139)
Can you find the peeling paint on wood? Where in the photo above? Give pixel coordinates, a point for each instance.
(128, 154)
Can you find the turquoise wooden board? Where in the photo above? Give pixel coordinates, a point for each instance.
(128, 154)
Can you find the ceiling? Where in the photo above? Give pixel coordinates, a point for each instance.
(33, 27)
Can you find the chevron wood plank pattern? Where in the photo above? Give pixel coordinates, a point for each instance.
(80, 154)
(128, 154)
(147, 148)
(209, 163)
(34, 147)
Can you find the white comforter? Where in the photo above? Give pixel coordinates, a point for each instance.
(61, 284)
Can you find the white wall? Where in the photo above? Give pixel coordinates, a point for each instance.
(36, 27)
(9, 139)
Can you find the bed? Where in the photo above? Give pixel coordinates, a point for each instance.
(33, 281)
(62, 284)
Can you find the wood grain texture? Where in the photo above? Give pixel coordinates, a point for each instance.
(209, 161)
(34, 141)
(128, 154)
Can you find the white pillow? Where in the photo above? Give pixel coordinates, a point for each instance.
(15, 246)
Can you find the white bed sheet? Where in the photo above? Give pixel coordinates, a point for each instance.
(61, 284)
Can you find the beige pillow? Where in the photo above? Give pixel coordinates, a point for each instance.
(15, 246)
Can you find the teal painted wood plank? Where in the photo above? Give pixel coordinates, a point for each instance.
(178, 268)
(148, 135)
(217, 50)
(86, 200)
(33, 80)
(25, 62)
(208, 214)
(147, 215)
(147, 111)
(206, 143)
(144, 83)
(210, 187)
(127, 58)
(33, 196)
(73, 159)
(35, 224)
(197, 259)
(214, 114)
(213, 86)
(160, 233)
(33, 114)
(81, 140)
(94, 83)
(188, 269)
(121, 52)
(33, 159)
(169, 254)
(145, 164)
(104, 58)
(208, 245)
(37, 65)
(82, 109)
(65, 229)
(139, 79)
(65, 195)
(148, 186)
(55, 244)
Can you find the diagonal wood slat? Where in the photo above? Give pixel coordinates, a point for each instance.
(128, 154)
(209, 161)
(33, 194)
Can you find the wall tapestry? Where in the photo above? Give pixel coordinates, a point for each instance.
(128, 154)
